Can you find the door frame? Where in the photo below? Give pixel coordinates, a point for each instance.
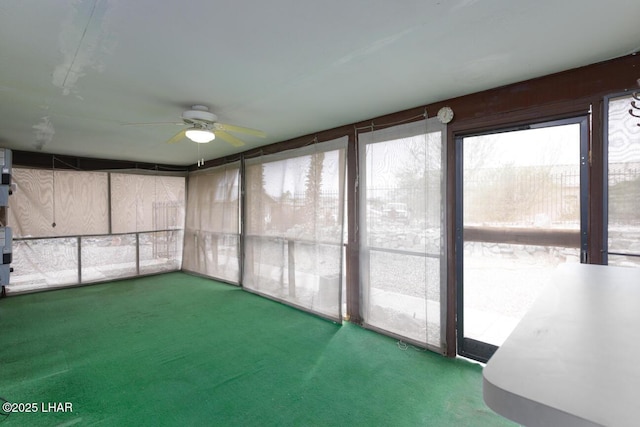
(469, 347)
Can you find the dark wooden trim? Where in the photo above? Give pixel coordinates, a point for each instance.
(450, 349)
(47, 161)
(278, 147)
(595, 223)
(534, 97)
(523, 236)
(471, 111)
(513, 119)
(353, 245)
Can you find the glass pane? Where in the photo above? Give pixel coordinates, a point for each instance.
(624, 180)
(527, 178)
(501, 281)
(521, 209)
(624, 261)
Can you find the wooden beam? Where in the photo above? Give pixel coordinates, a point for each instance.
(523, 236)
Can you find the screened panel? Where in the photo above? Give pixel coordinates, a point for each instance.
(146, 202)
(58, 203)
(108, 257)
(160, 251)
(402, 255)
(294, 226)
(398, 300)
(212, 235)
(76, 204)
(212, 255)
(624, 184)
(43, 263)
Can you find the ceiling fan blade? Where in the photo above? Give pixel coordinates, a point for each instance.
(240, 129)
(229, 138)
(152, 123)
(178, 137)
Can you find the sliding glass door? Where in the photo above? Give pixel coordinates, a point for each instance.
(520, 212)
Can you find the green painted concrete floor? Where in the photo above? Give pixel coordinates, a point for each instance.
(181, 350)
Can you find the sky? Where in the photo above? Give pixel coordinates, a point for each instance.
(557, 145)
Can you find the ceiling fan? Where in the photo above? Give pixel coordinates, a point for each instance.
(204, 127)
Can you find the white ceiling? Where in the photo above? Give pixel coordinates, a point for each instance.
(72, 72)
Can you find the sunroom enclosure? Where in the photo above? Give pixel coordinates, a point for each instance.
(368, 208)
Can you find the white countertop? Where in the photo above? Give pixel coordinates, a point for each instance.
(573, 360)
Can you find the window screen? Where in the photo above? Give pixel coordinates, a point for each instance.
(623, 227)
(402, 236)
(294, 226)
(146, 202)
(61, 227)
(212, 241)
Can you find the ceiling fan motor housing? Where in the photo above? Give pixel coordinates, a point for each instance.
(199, 115)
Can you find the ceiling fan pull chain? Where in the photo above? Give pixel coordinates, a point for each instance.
(200, 159)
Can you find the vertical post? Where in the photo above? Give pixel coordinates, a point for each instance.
(342, 159)
(138, 253)
(353, 245)
(452, 190)
(598, 185)
(79, 241)
(241, 224)
(110, 225)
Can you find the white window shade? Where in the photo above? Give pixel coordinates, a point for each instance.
(146, 202)
(76, 202)
(403, 265)
(212, 241)
(80, 248)
(294, 226)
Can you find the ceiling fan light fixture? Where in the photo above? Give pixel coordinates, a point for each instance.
(201, 136)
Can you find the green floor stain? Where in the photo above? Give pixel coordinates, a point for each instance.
(181, 350)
